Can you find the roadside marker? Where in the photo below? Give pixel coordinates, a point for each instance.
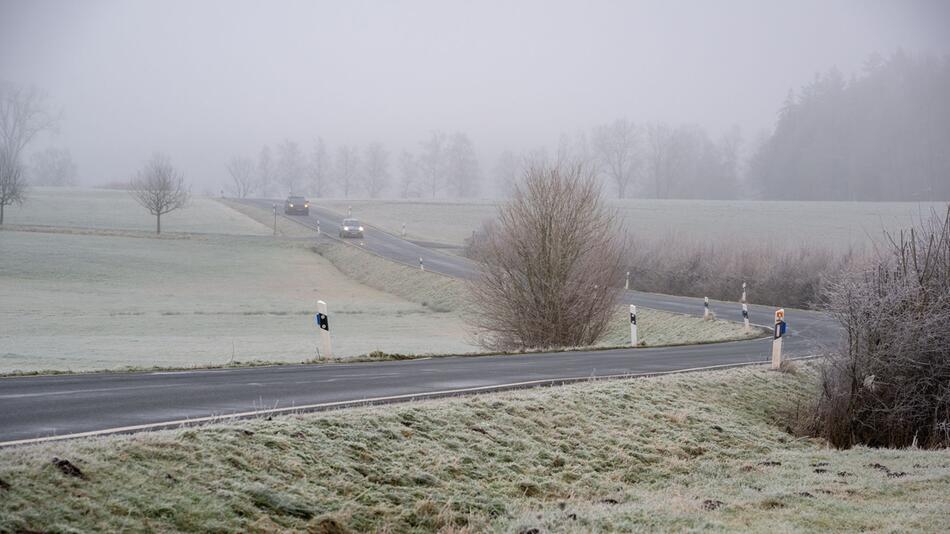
(349, 211)
(779, 333)
(706, 313)
(322, 320)
(404, 230)
(275, 218)
(421, 266)
(745, 309)
(318, 226)
(626, 284)
(633, 325)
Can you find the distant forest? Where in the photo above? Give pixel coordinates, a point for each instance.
(884, 135)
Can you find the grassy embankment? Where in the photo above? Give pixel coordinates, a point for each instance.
(674, 453)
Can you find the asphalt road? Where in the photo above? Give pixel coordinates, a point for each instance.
(54, 407)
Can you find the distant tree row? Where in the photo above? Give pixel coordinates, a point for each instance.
(651, 160)
(881, 136)
(443, 166)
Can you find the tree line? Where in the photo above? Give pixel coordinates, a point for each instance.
(882, 135)
(443, 166)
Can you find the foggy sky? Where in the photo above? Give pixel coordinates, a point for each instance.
(203, 81)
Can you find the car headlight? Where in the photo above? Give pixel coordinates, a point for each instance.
(306, 205)
(291, 205)
(361, 228)
(346, 228)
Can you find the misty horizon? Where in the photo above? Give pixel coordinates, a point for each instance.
(208, 81)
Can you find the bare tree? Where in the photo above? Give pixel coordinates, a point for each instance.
(432, 163)
(659, 146)
(376, 170)
(615, 145)
(347, 168)
(550, 264)
(159, 188)
(290, 165)
(408, 175)
(462, 166)
(319, 169)
(12, 185)
(243, 175)
(23, 116)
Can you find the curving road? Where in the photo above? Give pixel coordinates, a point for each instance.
(56, 407)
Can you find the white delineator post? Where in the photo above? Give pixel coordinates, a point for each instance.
(626, 284)
(633, 325)
(275, 219)
(421, 266)
(349, 211)
(323, 322)
(706, 308)
(403, 230)
(318, 226)
(777, 338)
(745, 309)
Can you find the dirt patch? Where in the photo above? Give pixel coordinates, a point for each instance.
(68, 468)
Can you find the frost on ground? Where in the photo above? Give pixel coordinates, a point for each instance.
(676, 453)
(103, 208)
(80, 302)
(830, 224)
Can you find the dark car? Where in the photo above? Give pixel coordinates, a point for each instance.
(297, 206)
(351, 228)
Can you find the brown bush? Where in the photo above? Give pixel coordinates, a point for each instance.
(551, 264)
(781, 276)
(890, 385)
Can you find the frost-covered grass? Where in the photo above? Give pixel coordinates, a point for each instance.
(675, 453)
(86, 302)
(658, 328)
(832, 224)
(111, 209)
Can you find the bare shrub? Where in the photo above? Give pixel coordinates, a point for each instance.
(13, 186)
(551, 264)
(159, 188)
(890, 385)
(790, 276)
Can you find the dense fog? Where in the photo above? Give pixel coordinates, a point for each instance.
(811, 100)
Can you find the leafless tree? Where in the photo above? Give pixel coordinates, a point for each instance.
(432, 163)
(23, 116)
(616, 146)
(319, 169)
(408, 175)
(375, 169)
(290, 165)
(243, 175)
(550, 264)
(659, 145)
(889, 386)
(462, 166)
(159, 188)
(347, 168)
(12, 185)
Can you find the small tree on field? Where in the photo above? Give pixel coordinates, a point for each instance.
(890, 384)
(551, 264)
(12, 184)
(159, 188)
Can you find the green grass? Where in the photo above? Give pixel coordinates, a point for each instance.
(683, 452)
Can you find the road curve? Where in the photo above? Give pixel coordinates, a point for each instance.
(55, 407)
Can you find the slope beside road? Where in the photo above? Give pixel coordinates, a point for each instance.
(56, 407)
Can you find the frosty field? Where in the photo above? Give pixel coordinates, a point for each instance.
(78, 302)
(831, 224)
(104, 208)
